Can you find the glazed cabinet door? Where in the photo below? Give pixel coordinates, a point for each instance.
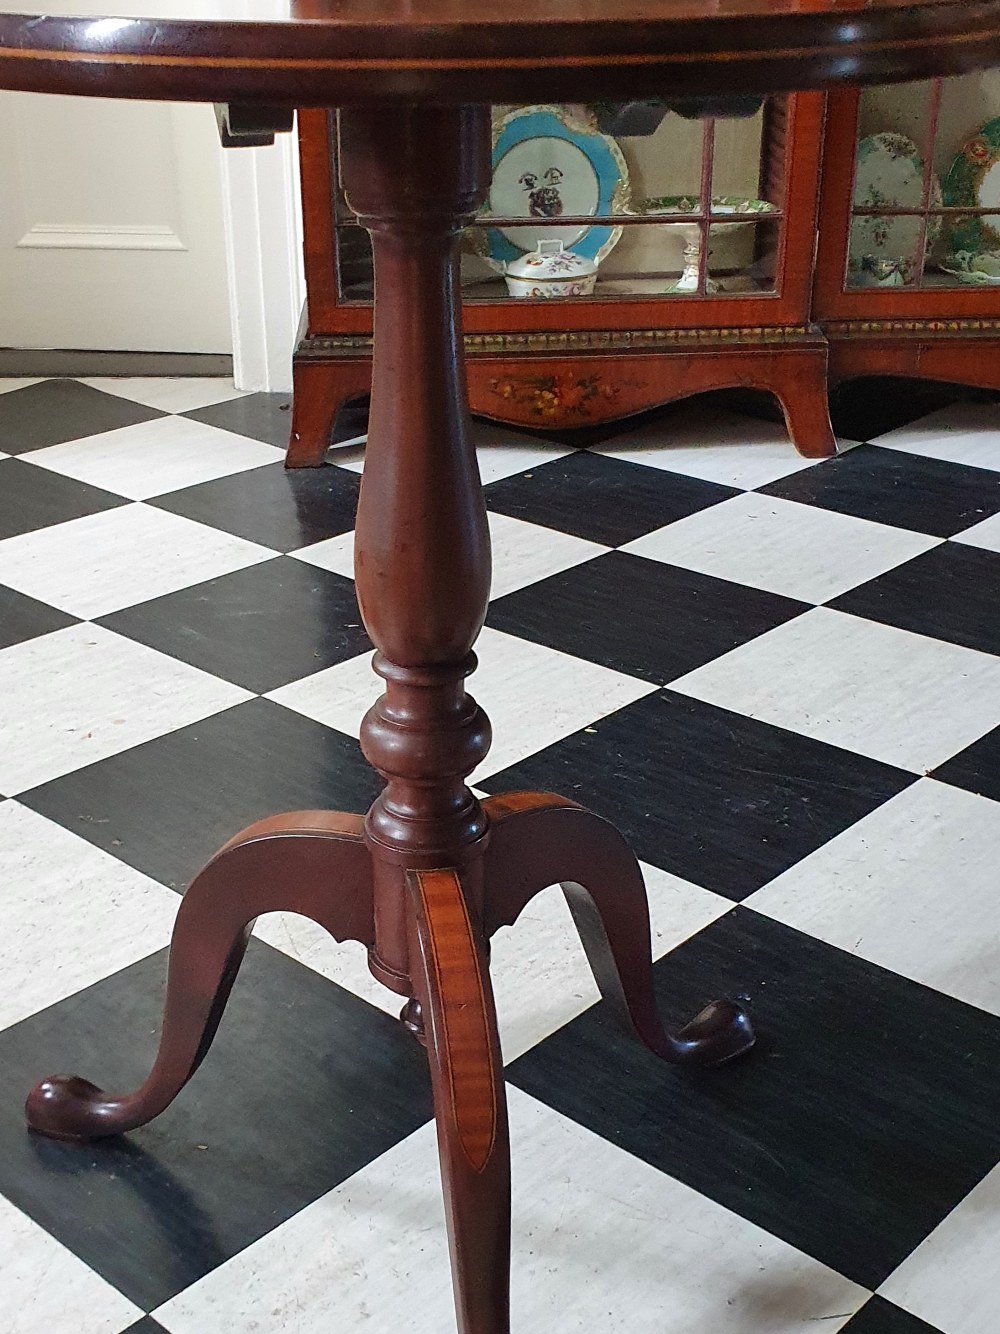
(666, 222)
(627, 256)
(910, 218)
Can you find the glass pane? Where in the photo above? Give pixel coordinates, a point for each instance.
(658, 196)
(967, 162)
(678, 170)
(927, 152)
(892, 229)
(743, 258)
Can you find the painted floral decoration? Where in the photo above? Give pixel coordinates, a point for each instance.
(561, 394)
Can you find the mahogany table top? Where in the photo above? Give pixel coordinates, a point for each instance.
(354, 52)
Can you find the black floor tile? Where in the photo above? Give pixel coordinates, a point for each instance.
(712, 796)
(32, 498)
(266, 417)
(950, 593)
(54, 411)
(602, 499)
(279, 508)
(304, 1085)
(868, 1111)
(889, 486)
(880, 1317)
(977, 768)
(259, 627)
(867, 408)
(24, 618)
(166, 806)
(639, 616)
(147, 1325)
(352, 419)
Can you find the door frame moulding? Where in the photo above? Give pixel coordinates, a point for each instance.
(262, 216)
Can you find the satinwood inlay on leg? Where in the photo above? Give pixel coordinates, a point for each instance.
(430, 872)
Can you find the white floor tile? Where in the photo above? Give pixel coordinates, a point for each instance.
(911, 887)
(338, 696)
(502, 452)
(80, 694)
(180, 394)
(959, 433)
(601, 1242)
(344, 963)
(348, 455)
(9, 383)
(565, 694)
(716, 446)
(523, 553)
(103, 562)
(333, 553)
(800, 551)
(352, 446)
(43, 1286)
(882, 692)
(151, 458)
(950, 1280)
(985, 535)
(70, 913)
(541, 978)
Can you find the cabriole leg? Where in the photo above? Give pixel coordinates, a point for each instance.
(312, 862)
(539, 840)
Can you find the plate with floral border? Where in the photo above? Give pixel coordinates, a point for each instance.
(889, 173)
(974, 182)
(548, 162)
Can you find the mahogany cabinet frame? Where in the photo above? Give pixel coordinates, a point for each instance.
(577, 363)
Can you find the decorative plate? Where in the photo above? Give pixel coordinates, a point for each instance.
(889, 173)
(974, 182)
(546, 163)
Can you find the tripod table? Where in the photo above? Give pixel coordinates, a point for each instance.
(430, 872)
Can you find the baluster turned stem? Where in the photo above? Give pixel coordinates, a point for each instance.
(422, 553)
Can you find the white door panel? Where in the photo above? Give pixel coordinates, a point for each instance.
(111, 223)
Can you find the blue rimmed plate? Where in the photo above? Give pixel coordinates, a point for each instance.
(546, 164)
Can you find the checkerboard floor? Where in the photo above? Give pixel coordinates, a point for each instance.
(780, 678)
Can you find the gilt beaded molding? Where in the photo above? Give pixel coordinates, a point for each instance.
(586, 340)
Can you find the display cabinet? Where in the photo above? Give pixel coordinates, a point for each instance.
(703, 232)
(908, 261)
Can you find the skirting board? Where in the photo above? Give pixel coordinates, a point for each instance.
(67, 361)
